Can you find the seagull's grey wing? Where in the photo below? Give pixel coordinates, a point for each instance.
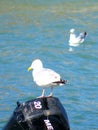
(82, 35)
(46, 77)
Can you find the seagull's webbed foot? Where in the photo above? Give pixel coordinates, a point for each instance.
(40, 96)
(50, 95)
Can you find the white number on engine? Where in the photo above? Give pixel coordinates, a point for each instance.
(37, 104)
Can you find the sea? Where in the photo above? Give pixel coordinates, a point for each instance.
(39, 29)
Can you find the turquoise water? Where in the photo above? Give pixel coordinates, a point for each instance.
(40, 29)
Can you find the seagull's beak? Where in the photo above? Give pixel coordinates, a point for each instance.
(29, 68)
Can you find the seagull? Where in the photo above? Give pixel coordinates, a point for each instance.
(76, 40)
(45, 77)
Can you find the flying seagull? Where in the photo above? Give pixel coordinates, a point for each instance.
(45, 77)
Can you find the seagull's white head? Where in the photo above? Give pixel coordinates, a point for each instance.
(72, 30)
(36, 65)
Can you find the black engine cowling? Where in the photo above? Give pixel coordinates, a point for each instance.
(45, 113)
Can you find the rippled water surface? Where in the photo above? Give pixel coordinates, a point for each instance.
(40, 29)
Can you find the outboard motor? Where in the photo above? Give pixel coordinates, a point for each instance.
(46, 113)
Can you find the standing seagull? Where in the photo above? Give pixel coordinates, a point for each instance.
(45, 77)
(76, 40)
